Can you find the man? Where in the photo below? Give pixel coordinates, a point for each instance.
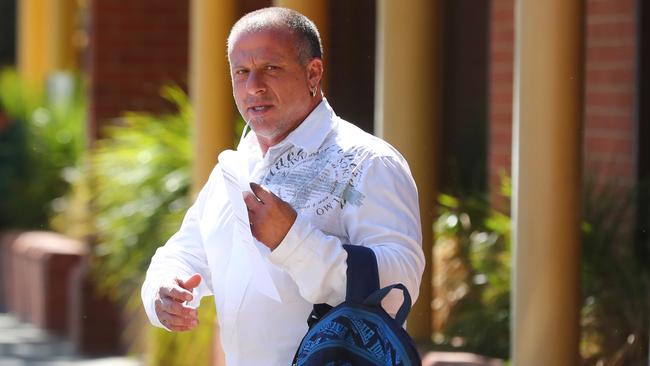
(317, 183)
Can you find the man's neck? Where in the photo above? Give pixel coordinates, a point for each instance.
(265, 144)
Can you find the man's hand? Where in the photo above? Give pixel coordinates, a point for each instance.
(170, 307)
(270, 217)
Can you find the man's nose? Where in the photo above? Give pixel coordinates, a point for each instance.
(255, 83)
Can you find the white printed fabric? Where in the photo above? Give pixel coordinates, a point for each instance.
(347, 186)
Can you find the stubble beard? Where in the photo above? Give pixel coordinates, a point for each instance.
(264, 129)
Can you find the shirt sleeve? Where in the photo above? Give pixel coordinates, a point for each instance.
(387, 221)
(182, 256)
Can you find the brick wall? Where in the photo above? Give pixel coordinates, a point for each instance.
(500, 78)
(609, 136)
(610, 48)
(134, 48)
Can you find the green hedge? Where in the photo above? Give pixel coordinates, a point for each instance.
(39, 149)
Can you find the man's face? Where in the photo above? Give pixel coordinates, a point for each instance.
(270, 85)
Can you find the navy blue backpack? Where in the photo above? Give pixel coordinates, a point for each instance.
(359, 332)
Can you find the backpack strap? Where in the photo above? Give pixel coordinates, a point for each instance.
(362, 280)
(375, 298)
(362, 273)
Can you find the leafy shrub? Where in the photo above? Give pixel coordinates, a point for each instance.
(615, 278)
(140, 178)
(135, 185)
(472, 277)
(38, 149)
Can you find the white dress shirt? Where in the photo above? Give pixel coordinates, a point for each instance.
(347, 186)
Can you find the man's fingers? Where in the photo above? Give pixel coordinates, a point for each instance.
(190, 283)
(252, 203)
(179, 309)
(177, 323)
(170, 305)
(176, 293)
(167, 305)
(262, 192)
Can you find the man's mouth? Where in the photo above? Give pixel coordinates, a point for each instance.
(259, 108)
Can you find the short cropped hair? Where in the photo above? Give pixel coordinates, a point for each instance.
(302, 28)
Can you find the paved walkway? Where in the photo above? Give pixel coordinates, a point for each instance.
(23, 344)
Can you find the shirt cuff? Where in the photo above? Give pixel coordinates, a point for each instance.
(290, 246)
(315, 261)
(148, 296)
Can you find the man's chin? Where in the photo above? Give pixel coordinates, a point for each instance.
(261, 128)
(258, 123)
(266, 132)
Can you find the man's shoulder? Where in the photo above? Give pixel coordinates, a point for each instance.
(354, 140)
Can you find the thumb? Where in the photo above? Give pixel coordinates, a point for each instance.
(191, 282)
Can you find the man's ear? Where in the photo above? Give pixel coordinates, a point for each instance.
(315, 71)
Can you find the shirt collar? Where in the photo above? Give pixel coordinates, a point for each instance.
(309, 135)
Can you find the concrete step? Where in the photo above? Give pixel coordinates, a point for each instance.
(23, 344)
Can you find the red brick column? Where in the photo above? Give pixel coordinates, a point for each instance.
(41, 263)
(94, 321)
(53, 268)
(134, 48)
(6, 269)
(20, 276)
